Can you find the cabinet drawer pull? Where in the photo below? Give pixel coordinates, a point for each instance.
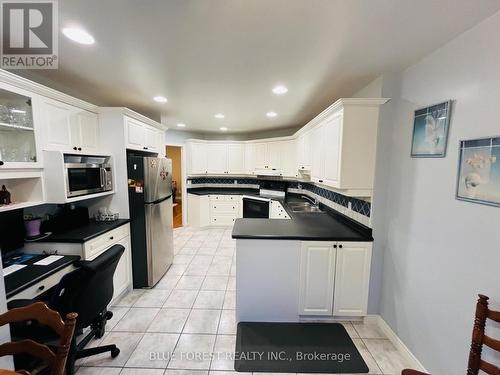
(340, 246)
(111, 238)
(320, 180)
(41, 287)
(74, 148)
(79, 149)
(334, 246)
(1, 162)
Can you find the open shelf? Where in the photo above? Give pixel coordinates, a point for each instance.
(5, 126)
(26, 189)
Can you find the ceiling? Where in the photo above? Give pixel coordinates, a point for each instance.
(210, 56)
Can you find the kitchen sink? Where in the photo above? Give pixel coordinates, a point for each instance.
(304, 207)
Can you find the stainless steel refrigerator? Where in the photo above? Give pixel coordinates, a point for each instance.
(150, 202)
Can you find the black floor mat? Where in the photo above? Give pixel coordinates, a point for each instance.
(296, 347)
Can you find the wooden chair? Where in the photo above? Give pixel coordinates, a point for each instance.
(41, 313)
(479, 339)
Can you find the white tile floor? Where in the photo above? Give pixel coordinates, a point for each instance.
(191, 310)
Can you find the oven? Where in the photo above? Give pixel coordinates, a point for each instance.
(87, 174)
(254, 207)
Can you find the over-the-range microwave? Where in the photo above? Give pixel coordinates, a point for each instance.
(87, 174)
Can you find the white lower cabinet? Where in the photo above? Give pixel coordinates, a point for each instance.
(206, 210)
(123, 276)
(91, 249)
(352, 279)
(317, 278)
(334, 278)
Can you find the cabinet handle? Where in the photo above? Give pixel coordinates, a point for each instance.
(79, 149)
(1, 162)
(74, 148)
(334, 246)
(111, 238)
(145, 148)
(340, 246)
(41, 287)
(320, 180)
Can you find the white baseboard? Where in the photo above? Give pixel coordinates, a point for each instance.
(395, 340)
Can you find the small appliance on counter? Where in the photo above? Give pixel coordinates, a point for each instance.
(151, 217)
(4, 196)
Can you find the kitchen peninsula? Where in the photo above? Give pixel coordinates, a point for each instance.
(316, 265)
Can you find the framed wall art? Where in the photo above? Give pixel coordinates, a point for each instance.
(479, 171)
(430, 131)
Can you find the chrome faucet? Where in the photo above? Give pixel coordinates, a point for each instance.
(314, 202)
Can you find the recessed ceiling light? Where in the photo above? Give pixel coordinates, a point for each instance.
(223, 129)
(271, 114)
(78, 35)
(160, 99)
(219, 115)
(181, 125)
(280, 90)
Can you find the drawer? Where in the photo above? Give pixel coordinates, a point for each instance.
(96, 245)
(224, 207)
(222, 220)
(43, 285)
(226, 198)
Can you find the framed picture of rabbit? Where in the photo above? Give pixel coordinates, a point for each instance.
(430, 131)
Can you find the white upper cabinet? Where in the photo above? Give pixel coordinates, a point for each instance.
(260, 156)
(56, 118)
(197, 158)
(216, 158)
(68, 128)
(136, 137)
(344, 146)
(304, 151)
(331, 150)
(317, 164)
(274, 151)
(338, 147)
(140, 136)
(85, 132)
(289, 158)
(352, 278)
(236, 158)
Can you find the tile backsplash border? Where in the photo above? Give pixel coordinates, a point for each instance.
(355, 208)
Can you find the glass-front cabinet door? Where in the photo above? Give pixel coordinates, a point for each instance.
(17, 133)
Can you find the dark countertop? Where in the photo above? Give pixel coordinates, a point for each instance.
(85, 232)
(223, 191)
(327, 226)
(27, 276)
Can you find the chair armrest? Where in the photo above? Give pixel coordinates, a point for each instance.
(413, 372)
(19, 303)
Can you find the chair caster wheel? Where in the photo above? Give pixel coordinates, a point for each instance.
(115, 352)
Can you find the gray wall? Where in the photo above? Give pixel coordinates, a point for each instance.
(438, 253)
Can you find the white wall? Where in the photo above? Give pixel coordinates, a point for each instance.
(439, 253)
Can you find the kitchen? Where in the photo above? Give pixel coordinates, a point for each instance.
(318, 184)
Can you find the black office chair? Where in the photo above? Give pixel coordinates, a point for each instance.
(87, 291)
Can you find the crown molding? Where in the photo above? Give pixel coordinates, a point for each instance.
(338, 105)
(132, 114)
(36, 88)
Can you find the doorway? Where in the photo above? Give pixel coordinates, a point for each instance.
(175, 153)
